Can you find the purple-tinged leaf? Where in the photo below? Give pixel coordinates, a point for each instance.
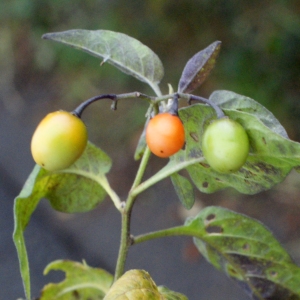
(198, 68)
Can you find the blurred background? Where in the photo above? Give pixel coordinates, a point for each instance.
(260, 58)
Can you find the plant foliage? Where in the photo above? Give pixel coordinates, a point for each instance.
(247, 252)
(122, 51)
(233, 243)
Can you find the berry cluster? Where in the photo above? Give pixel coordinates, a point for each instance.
(61, 138)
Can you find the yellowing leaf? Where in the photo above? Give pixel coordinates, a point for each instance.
(133, 285)
(81, 283)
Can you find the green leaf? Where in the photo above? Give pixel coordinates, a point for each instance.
(272, 155)
(76, 189)
(198, 68)
(122, 51)
(170, 295)
(184, 190)
(247, 252)
(134, 284)
(81, 283)
(232, 101)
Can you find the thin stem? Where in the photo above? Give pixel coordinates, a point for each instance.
(141, 170)
(112, 194)
(126, 240)
(218, 110)
(164, 97)
(156, 89)
(163, 173)
(133, 95)
(124, 243)
(79, 109)
(174, 107)
(174, 231)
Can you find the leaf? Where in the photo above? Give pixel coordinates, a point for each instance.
(170, 295)
(122, 51)
(81, 283)
(184, 190)
(76, 189)
(138, 284)
(232, 101)
(134, 284)
(198, 68)
(246, 251)
(272, 156)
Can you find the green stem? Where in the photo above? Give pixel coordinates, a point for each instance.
(137, 188)
(112, 194)
(126, 240)
(141, 171)
(156, 89)
(174, 231)
(168, 170)
(124, 244)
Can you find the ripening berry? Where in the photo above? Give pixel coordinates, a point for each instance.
(165, 134)
(58, 141)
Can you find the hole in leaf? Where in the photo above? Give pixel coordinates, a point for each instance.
(210, 217)
(273, 273)
(205, 184)
(232, 272)
(76, 294)
(204, 165)
(194, 136)
(214, 229)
